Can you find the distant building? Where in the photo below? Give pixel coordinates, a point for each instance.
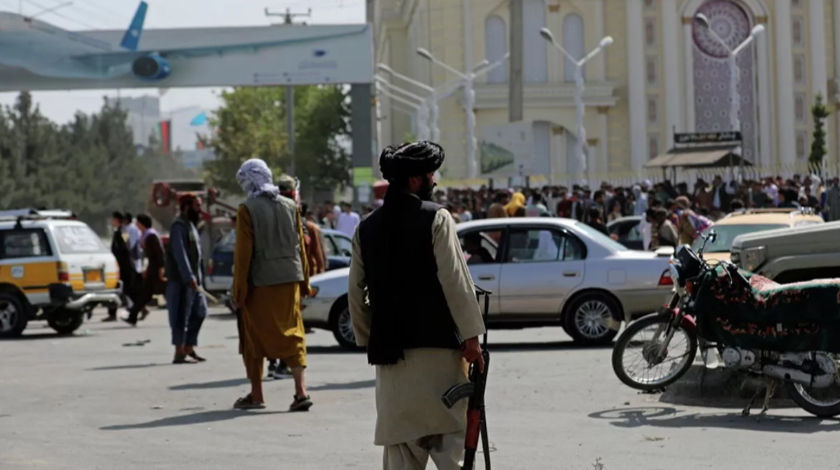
(143, 116)
(194, 159)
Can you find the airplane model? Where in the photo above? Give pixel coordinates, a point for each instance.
(46, 50)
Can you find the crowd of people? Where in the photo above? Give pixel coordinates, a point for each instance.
(663, 205)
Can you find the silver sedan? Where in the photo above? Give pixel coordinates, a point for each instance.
(542, 272)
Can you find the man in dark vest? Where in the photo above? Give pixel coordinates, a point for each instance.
(421, 319)
(186, 304)
(128, 275)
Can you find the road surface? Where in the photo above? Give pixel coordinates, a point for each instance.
(92, 402)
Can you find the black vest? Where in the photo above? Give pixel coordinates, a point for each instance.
(406, 298)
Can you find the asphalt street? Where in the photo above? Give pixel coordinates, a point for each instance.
(99, 400)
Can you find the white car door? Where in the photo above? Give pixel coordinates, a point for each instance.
(481, 249)
(542, 267)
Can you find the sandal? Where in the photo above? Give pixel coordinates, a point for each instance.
(196, 357)
(301, 404)
(247, 403)
(183, 360)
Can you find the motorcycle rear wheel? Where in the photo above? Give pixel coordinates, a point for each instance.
(631, 332)
(817, 407)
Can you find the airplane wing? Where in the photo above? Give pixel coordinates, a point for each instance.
(113, 59)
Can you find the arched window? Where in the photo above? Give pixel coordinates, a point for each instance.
(495, 45)
(535, 66)
(573, 42)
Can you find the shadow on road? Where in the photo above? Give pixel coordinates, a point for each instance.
(550, 346)
(129, 366)
(667, 417)
(208, 385)
(186, 420)
(345, 386)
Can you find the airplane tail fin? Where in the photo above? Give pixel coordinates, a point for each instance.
(131, 39)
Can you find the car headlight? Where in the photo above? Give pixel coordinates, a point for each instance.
(313, 291)
(752, 258)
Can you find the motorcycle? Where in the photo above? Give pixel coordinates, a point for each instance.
(787, 333)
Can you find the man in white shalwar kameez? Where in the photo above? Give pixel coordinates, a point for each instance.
(413, 306)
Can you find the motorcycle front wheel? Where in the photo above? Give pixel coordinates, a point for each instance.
(643, 340)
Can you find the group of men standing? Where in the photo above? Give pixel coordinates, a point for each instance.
(174, 270)
(412, 299)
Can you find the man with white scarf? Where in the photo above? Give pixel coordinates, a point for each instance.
(270, 277)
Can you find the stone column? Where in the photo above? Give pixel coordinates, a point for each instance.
(765, 103)
(670, 46)
(689, 75)
(785, 126)
(819, 75)
(636, 83)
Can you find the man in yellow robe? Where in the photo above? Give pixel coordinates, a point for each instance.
(270, 277)
(421, 319)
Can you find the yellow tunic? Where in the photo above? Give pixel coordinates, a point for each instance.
(272, 326)
(408, 394)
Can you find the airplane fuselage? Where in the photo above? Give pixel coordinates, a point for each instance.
(49, 51)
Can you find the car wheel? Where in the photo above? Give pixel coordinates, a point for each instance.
(13, 317)
(65, 322)
(341, 325)
(588, 319)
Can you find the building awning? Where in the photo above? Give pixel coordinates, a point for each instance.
(698, 156)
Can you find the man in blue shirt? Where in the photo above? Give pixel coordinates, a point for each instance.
(186, 304)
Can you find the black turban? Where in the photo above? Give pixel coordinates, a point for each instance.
(411, 159)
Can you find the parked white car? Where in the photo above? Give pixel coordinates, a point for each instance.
(542, 272)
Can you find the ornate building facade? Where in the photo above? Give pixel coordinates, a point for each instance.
(663, 73)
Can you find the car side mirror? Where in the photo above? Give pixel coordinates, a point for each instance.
(347, 253)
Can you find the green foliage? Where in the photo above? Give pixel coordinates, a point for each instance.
(819, 112)
(251, 124)
(89, 166)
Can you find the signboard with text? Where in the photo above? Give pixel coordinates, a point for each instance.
(706, 137)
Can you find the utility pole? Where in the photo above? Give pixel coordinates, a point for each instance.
(288, 19)
(516, 57)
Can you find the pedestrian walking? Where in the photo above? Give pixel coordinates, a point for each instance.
(153, 281)
(271, 277)
(422, 319)
(183, 270)
(122, 253)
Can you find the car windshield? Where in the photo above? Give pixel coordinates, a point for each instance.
(600, 237)
(727, 233)
(74, 239)
(227, 243)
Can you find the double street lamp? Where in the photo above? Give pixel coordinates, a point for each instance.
(422, 107)
(579, 108)
(468, 79)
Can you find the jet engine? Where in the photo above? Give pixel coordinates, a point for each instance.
(151, 68)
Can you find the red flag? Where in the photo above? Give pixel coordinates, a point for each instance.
(165, 128)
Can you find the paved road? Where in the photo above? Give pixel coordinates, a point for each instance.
(89, 402)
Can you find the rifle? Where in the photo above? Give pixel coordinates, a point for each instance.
(474, 389)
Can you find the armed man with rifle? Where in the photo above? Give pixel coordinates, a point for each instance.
(421, 318)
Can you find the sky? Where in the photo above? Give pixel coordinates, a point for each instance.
(60, 106)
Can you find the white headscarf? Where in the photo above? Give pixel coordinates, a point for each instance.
(256, 179)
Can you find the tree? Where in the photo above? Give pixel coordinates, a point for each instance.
(251, 124)
(89, 166)
(819, 112)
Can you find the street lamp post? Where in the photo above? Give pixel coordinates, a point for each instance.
(580, 110)
(420, 108)
(481, 68)
(734, 71)
(433, 98)
(422, 111)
